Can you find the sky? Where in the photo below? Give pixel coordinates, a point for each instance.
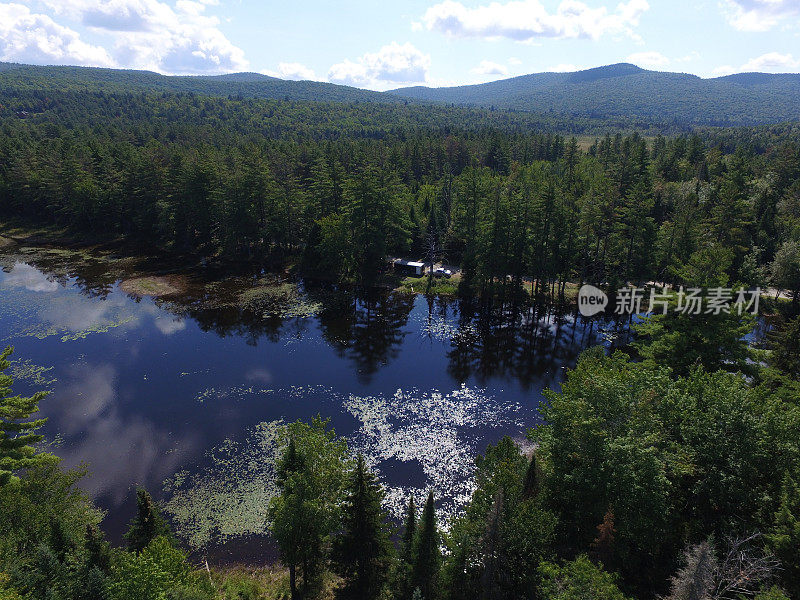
(384, 45)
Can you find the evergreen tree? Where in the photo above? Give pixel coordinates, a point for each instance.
(533, 478)
(427, 554)
(401, 578)
(306, 510)
(786, 353)
(98, 552)
(147, 525)
(784, 539)
(409, 530)
(363, 550)
(494, 577)
(17, 437)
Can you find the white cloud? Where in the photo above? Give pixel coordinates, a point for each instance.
(772, 62)
(648, 59)
(526, 20)
(759, 15)
(35, 38)
(294, 71)
(392, 64)
(487, 67)
(514, 61)
(142, 34)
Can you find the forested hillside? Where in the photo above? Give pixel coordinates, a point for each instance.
(669, 470)
(624, 89)
(251, 85)
(623, 94)
(344, 186)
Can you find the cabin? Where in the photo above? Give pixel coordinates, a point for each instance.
(409, 267)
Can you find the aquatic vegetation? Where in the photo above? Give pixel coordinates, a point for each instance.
(36, 375)
(98, 328)
(284, 300)
(229, 498)
(45, 329)
(443, 330)
(31, 309)
(239, 393)
(438, 430)
(231, 393)
(156, 286)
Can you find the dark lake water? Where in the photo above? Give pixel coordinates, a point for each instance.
(183, 397)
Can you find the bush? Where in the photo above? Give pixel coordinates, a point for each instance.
(577, 580)
(150, 575)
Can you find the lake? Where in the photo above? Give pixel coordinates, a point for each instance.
(182, 395)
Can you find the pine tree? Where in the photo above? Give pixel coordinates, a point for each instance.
(409, 530)
(17, 437)
(401, 578)
(494, 578)
(147, 525)
(363, 550)
(97, 550)
(533, 477)
(784, 539)
(311, 479)
(427, 554)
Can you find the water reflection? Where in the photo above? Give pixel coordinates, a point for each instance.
(147, 387)
(24, 275)
(366, 327)
(125, 449)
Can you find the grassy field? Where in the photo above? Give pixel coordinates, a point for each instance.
(439, 286)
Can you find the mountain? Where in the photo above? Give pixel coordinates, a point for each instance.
(627, 90)
(250, 85)
(621, 91)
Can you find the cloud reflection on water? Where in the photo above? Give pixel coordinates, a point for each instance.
(30, 278)
(121, 450)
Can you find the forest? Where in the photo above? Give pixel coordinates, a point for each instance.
(668, 469)
(339, 188)
(646, 481)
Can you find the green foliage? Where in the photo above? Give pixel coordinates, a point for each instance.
(426, 560)
(785, 271)
(17, 437)
(682, 341)
(786, 349)
(784, 536)
(676, 459)
(311, 479)
(497, 544)
(363, 550)
(773, 593)
(149, 574)
(579, 579)
(147, 525)
(29, 508)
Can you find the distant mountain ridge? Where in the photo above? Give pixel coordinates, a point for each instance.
(620, 90)
(625, 89)
(252, 85)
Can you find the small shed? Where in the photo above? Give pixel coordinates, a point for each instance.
(409, 266)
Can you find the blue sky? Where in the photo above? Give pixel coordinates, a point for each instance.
(383, 45)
